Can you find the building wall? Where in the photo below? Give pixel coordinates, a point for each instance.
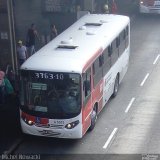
(27, 12)
(5, 53)
(32, 11)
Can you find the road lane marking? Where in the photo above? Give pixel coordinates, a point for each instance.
(155, 61)
(110, 138)
(129, 105)
(144, 80)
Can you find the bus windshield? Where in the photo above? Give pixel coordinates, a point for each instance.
(50, 94)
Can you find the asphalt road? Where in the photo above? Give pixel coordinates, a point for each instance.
(139, 130)
(128, 127)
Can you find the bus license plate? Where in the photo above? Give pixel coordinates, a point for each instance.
(58, 122)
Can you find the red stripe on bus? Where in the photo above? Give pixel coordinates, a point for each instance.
(92, 59)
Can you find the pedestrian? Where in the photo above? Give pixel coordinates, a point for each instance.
(2, 88)
(114, 7)
(106, 9)
(22, 52)
(32, 34)
(10, 74)
(54, 32)
(6, 89)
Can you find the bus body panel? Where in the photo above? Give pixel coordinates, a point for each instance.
(86, 118)
(78, 53)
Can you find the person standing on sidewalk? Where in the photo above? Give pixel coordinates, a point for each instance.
(32, 34)
(22, 53)
(6, 89)
(106, 8)
(114, 8)
(2, 88)
(53, 32)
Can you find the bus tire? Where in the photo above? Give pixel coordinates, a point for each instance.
(93, 119)
(116, 86)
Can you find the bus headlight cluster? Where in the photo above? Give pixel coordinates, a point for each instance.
(29, 122)
(72, 124)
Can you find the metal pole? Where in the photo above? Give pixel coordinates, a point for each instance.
(10, 33)
(14, 38)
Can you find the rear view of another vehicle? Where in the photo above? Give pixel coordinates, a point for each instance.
(149, 6)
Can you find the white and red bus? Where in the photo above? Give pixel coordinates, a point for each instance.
(149, 6)
(67, 83)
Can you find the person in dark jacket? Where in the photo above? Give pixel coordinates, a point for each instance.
(32, 34)
(114, 7)
(53, 32)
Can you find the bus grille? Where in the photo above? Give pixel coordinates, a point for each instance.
(49, 126)
(56, 126)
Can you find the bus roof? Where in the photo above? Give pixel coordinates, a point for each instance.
(76, 46)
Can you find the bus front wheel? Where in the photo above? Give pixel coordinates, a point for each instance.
(93, 119)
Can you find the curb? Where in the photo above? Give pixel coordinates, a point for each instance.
(14, 146)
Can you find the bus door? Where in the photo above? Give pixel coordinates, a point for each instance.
(107, 88)
(97, 94)
(87, 102)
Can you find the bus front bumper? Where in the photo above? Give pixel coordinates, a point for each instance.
(74, 133)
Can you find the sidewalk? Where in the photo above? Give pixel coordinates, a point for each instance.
(10, 126)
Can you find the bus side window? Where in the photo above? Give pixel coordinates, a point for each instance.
(117, 42)
(101, 60)
(124, 34)
(127, 38)
(109, 50)
(107, 61)
(122, 42)
(115, 53)
(97, 70)
(86, 85)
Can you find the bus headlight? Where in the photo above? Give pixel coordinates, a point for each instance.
(29, 122)
(72, 124)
